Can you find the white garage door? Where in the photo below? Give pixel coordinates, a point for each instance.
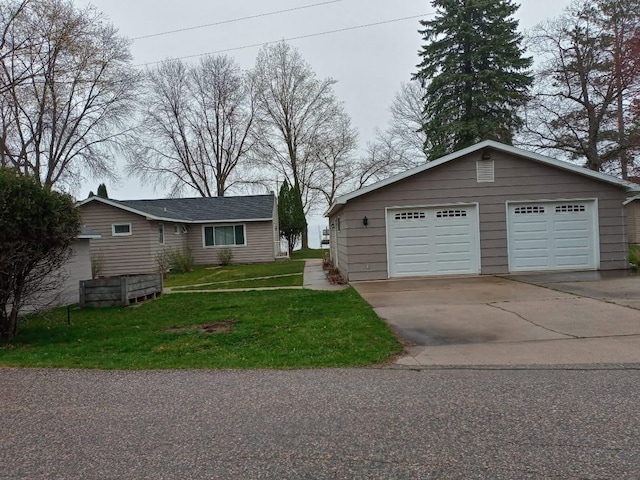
(552, 236)
(433, 241)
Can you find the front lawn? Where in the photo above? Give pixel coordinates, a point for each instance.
(257, 329)
(291, 280)
(215, 274)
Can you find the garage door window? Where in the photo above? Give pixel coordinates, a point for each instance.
(451, 213)
(409, 216)
(570, 208)
(529, 210)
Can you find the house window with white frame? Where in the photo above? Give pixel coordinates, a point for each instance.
(121, 229)
(161, 233)
(224, 235)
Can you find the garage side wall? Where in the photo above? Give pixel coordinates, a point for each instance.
(516, 179)
(340, 226)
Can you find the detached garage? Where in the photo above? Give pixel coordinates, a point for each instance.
(487, 209)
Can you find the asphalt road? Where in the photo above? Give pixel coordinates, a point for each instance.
(321, 424)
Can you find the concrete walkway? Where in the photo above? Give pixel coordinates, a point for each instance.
(314, 278)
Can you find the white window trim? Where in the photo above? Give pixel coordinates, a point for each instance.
(161, 228)
(204, 245)
(113, 230)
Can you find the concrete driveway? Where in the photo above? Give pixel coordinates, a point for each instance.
(582, 318)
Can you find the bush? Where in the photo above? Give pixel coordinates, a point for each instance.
(97, 264)
(181, 261)
(225, 256)
(163, 261)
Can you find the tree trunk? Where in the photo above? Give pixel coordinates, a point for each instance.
(9, 325)
(305, 237)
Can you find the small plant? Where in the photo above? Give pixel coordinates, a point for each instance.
(97, 264)
(634, 255)
(225, 255)
(326, 261)
(163, 261)
(181, 261)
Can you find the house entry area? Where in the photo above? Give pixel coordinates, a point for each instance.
(433, 240)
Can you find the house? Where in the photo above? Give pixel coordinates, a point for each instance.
(632, 207)
(134, 232)
(487, 209)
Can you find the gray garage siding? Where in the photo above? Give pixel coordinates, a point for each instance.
(340, 239)
(455, 182)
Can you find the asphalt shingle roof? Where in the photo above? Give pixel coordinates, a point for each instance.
(205, 209)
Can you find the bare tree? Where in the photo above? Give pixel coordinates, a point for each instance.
(581, 90)
(196, 130)
(399, 146)
(70, 110)
(14, 67)
(296, 109)
(405, 132)
(333, 157)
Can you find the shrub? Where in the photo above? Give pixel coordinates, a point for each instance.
(163, 261)
(181, 261)
(97, 264)
(225, 256)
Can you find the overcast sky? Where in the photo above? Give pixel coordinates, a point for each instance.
(369, 63)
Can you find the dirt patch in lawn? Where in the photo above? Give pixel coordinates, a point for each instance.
(223, 326)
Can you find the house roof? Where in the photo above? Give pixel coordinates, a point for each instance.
(478, 147)
(197, 210)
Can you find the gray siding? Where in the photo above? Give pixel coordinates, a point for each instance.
(172, 240)
(77, 268)
(121, 255)
(338, 239)
(455, 182)
(259, 245)
(633, 219)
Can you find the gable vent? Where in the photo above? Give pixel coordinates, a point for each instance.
(484, 171)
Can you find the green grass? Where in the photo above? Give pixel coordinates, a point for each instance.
(214, 274)
(308, 253)
(272, 329)
(634, 254)
(288, 281)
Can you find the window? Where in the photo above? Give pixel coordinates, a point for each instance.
(451, 213)
(161, 233)
(409, 216)
(571, 208)
(223, 235)
(120, 229)
(529, 210)
(338, 223)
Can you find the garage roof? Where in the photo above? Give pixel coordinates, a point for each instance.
(474, 148)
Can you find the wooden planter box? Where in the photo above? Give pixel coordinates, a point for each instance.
(125, 290)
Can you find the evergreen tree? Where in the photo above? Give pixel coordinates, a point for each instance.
(291, 214)
(474, 74)
(102, 191)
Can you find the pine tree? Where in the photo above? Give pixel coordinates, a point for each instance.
(102, 191)
(291, 214)
(474, 73)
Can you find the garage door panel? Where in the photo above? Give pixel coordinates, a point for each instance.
(552, 236)
(443, 240)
